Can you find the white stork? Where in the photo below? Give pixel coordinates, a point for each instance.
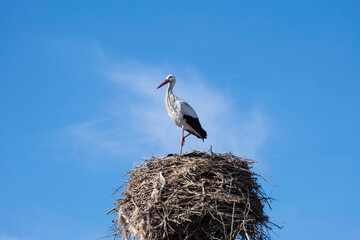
(181, 113)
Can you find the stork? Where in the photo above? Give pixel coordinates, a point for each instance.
(181, 113)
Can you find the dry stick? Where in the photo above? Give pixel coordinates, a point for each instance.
(232, 220)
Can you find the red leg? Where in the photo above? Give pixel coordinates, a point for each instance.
(182, 140)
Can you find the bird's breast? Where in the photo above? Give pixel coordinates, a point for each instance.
(174, 111)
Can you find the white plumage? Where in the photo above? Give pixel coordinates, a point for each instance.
(181, 113)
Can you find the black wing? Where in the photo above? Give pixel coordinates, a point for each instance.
(195, 124)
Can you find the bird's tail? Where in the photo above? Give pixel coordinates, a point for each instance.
(203, 134)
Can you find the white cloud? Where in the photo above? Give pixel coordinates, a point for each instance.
(135, 118)
(4, 236)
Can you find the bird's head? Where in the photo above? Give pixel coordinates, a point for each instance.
(169, 79)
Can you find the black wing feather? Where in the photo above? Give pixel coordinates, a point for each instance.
(195, 124)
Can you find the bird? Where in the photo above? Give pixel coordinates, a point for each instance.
(181, 113)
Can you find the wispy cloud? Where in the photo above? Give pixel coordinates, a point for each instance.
(4, 236)
(135, 118)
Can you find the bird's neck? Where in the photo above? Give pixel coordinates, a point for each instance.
(169, 91)
(170, 98)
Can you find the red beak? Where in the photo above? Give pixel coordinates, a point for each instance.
(165, 82)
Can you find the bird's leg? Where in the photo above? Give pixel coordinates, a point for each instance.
(182, 136)
(182, 139)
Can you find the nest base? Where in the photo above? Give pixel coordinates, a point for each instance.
(197, 196)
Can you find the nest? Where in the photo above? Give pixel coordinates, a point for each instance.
(197, 196)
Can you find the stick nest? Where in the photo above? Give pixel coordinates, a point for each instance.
(197, 196)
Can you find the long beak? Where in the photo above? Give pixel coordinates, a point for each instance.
(165, 82)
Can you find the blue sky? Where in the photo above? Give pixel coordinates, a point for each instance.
(275, 81)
